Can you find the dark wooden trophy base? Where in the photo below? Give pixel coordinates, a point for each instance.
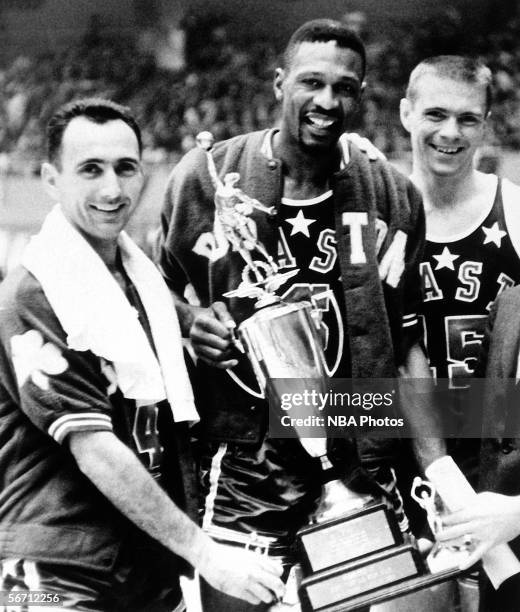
(358, 560)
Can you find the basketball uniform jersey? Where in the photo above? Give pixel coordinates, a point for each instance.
(461, 278)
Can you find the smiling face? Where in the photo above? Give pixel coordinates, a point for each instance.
(320, 92)
(98, 179)
(446, 121)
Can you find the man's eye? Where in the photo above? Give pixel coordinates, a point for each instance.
(435, 115)
(347, 89)
(91, 170)
(312, 83)
(469, 120)
(127, 169)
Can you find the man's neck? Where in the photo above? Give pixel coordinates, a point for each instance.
(454, 204)
(442, 192)
(106, 249)
(302, 170)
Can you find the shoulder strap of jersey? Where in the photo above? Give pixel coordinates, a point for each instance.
(511, 203)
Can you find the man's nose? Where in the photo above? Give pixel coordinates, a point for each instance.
(326, 98)
(450, 128)
(111, 187)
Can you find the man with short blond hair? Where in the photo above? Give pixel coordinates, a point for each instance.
(472, 229)
(472, 224)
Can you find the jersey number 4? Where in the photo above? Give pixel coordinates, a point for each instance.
(146, 434)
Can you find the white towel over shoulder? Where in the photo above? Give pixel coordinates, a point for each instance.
(96, 315)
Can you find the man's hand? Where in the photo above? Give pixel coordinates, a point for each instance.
(211, 336)
(241, 573)
(490, 520)
(363, 144)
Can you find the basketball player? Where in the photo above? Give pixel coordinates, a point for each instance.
(332, 204)
(472, 219)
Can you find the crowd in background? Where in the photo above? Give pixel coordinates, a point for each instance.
(225, 85)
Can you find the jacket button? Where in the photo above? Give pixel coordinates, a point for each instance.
(271, 164)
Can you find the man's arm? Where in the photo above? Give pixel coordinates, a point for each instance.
(118, 474)
(418, 407)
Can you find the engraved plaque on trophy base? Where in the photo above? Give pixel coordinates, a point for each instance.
(349, 537)
(332, 589)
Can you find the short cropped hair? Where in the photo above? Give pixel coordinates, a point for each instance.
(323, 30)
(455, 67)
(97, 110)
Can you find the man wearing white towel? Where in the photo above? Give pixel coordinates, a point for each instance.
(95, 401)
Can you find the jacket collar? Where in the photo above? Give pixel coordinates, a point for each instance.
(266, 148)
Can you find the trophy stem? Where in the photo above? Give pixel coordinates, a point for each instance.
(336, 498)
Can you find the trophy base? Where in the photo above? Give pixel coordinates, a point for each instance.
(372, 580)
(352, 536)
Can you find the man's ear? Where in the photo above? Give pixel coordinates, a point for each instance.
(279, 77)
(405, 109)
(49, 175)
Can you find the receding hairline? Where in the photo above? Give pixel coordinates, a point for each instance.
(101, 124)
(94, 109)
(458, 69)
(66, 136)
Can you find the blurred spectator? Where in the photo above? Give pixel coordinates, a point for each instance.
(225, 86)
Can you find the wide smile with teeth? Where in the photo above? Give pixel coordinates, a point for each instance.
(447, 150)
(322, 122)
(108, 208)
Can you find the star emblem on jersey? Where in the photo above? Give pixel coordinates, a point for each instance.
(445, 259)
(300, 224)
(494, 234)
(34, 359)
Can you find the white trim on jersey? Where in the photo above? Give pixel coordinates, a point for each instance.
(214, 475)
(511, 204)
(309, 201)
(83, 421)
(410, 319)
